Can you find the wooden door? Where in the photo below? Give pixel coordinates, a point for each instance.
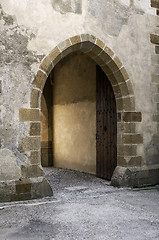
(106, 125)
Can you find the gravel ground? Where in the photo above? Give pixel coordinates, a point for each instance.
(83, 207)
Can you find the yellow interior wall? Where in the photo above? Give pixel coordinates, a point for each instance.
(74, 113)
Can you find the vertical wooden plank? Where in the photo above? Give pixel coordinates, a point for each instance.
(106, 143)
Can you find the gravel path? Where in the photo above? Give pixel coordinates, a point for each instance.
(83, 207)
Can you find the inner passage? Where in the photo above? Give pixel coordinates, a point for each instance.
(68, 115)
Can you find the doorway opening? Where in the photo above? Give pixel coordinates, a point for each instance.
(78, 118)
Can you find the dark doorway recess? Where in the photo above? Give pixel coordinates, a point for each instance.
(106, 120)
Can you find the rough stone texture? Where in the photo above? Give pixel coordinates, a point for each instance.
(29, 115)
(9, 168)
(74, 6)
(35, 129)
(155, 3)
(135, 176)
(132, 117)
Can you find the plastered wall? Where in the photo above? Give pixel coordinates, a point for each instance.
(74, 113)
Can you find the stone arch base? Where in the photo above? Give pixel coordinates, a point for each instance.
(24, 189)
(135, 176)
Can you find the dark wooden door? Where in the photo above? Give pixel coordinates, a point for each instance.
(106, 125)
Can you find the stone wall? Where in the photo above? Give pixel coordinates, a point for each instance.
(31, 36)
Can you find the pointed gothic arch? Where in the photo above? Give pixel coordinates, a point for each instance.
(119, 79)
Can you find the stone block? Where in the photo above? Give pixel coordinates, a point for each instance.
(132, 117)
(135, 161)
(35, 157)
(129, 127)
(155, 78)
(119, 117)
(64, 45)
(76, 39)
(119, 77)
(67, 6)
(109, 52)
(40, 189)
(104, 57)
(126, 88)
(89, 52)
(155, 69)
(154, 38)
(119, 138)
(34, 129)
(127, 150)
(35, 99)
(96, 50)
(155, 139)
(98, 60)
(86, 47)
(117, 91)
(46, 65)
(24, 189)
(40, 80)
(99, 43)
(107, 70)
(124, 73)
(29, 144)
(129, 104)
(132, 138)
(55, 56)
(121, 161)
(26, 114)
(66, 52)
(112, 65)
(21, 197)
(157, 49)
(156, 117)
(31, 171)
(23, 186)
(156, 98)
(112, 80)
(155, 3)
(155, 59)
(119, 104)
(117, 62)
(135, 176)
(88, 38)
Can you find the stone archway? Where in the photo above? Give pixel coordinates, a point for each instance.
(128, 138)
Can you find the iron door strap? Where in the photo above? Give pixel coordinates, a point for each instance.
(105, 128)
(97, 136)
